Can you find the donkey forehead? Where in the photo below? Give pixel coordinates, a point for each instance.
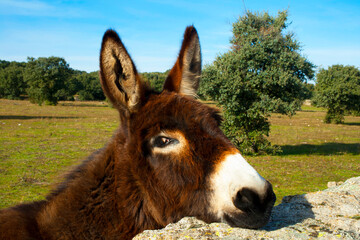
(176, 111)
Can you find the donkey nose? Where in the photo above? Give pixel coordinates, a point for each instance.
(251, 201)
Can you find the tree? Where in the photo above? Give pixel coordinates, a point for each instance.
(12, 83)
(46, 78)
(4, 64)
(91, 87)
(309, 90)
(263, 72)
(72, 86)
(155, 79)
(338, 90)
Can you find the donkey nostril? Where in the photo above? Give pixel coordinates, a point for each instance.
(246, 200)
(238, 196)
(238, 201)
(242, 200)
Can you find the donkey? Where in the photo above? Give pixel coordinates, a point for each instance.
(167, 160)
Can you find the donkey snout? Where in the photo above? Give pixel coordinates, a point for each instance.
(241, 196)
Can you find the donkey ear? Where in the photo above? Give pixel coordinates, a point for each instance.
(118, 75)
(184, 77)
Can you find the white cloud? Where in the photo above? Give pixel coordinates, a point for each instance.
(25, 5)
(40, 9)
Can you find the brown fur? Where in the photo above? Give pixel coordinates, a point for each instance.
(125, 187)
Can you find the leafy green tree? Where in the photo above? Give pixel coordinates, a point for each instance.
(309, 90)
(12, 83)
(155, 79)
(4, 64)
(263, 73)
(338, 90)
(72, 86)
(46, 78)
(91, 87)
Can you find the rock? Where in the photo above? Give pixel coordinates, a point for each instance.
(330, 214)
(333, 184)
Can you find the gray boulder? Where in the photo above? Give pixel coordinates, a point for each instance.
(330, 214)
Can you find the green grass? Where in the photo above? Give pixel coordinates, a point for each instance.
(314, 153)
(38, 144)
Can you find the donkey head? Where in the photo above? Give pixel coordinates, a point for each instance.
(171, 152)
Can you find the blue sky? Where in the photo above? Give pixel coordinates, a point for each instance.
(329, 31)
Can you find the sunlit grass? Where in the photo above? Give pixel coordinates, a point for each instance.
(314, 153)
(40, 143)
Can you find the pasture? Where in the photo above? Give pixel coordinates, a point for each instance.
(38, 144)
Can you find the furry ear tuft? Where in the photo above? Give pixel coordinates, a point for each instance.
(184, 77)
(118, 75)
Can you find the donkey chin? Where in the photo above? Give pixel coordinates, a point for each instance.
(240, 196)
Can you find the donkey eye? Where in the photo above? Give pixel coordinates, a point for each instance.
(162, 141)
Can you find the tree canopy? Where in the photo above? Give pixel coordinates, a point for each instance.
(263, 73)
(338, 90)
(46, 78)
(12, 84)
(90, 86)
(155, 79)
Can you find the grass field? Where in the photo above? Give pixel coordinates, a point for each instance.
(38, 144)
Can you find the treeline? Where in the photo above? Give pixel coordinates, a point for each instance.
(47, 80)
(155, 79)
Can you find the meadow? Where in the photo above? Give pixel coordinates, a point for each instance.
(39, 144)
